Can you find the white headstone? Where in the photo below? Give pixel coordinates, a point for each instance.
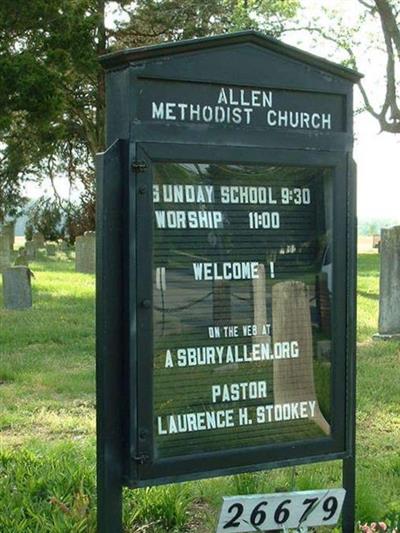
(85, 250)
(291, 321)
(389, 284)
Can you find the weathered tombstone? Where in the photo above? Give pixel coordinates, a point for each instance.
(30, 250)
(63, 246)
(51, 249)
(5, 252)
(85, 250)
(260, 306)
(17, 289)
(22, 258)
(9, 230)
(324, 349)
(38, 240)
(376, 242)
(323, 302)
(294, 380)
(389, 284)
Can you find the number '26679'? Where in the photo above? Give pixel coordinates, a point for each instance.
(256, 513)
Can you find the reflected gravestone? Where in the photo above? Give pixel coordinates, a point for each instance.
(85, 249)
(259, 304)
(389, 285)
(376, 241)
(51, 249)
(5, 252)
(22, 258)
(9, 230)
(30, 250)
(292, 321)
(63, 246)
(38, 240)
(17, 289)
(323, 301)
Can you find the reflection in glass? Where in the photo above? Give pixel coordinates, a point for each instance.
(242, 300)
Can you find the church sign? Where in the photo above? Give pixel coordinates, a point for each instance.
(226, 261)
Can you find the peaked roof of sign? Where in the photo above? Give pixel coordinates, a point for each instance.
(123, 57)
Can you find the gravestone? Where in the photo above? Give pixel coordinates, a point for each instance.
(324, 349)
(376, 242)
(323, 302)
(9, 230)
(38, 240)
(389, 284)
(17, 289)
(22, 258)
(85, 248)
(5, 252)
(294, 378)
(63, 246)
(51, 249)
(30, 250)
(259, 304)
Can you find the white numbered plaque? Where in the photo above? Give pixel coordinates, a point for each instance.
(265, 512)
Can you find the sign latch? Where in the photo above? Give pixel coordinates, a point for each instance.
(139, 166)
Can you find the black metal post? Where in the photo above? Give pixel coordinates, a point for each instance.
(349, 483)
(109, 340)
(349, 464)
(109, 502)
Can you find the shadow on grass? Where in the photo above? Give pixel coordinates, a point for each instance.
(369, 295)
(60, 263)
(368, 265)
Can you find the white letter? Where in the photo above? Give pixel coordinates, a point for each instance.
(198, 271)
(216, 391)
(271, 121)
(168, 360)
(161, 430)
(170, 108)
(160, 217)
(222, 97)
(158, 113)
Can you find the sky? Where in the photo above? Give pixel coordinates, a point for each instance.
(376, 153)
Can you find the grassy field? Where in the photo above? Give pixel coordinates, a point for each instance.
(47, 421)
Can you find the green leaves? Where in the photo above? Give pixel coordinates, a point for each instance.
(51, 83)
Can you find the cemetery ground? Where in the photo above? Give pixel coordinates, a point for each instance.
(47, 421)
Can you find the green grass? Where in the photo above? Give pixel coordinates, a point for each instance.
(47, 421)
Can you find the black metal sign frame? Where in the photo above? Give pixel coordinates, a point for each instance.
(141, 437)
(123, 313)
(124, 368)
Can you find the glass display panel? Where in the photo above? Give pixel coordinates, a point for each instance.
(242, 289)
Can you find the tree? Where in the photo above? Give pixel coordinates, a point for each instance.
(388, 114)
(51, 90)
(12, 199)
(376, 31)
(153, 21)
(52, 86)
(45, 217)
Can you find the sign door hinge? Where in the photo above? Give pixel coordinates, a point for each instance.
(141, 458)
(139, 166)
